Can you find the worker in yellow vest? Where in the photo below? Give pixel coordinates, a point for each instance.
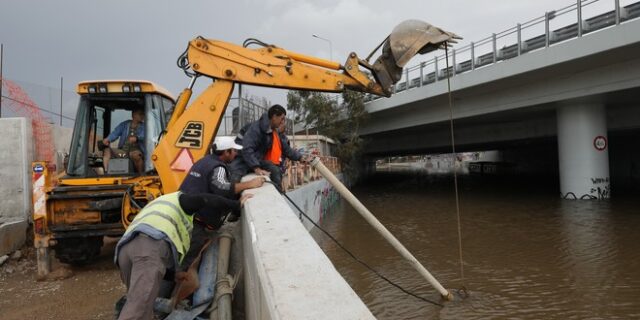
(157, 240)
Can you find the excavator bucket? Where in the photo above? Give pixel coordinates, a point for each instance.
(405, 41)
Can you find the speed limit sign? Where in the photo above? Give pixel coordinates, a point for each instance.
(600, 143)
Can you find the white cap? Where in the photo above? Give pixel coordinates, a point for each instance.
(225, 143)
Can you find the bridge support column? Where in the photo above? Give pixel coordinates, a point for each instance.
(583, 151)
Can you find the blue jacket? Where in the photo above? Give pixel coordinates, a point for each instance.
(258, 139)
(121, 133)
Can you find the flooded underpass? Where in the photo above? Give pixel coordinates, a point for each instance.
(527, 253)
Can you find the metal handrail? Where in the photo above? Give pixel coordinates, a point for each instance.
(432, 71)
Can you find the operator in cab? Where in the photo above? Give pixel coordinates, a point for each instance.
(130, 137)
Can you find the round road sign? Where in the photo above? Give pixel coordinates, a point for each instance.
(600, 143)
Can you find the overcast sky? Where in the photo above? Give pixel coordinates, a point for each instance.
(83, 39)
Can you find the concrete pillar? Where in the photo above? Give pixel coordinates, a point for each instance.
(583, 151)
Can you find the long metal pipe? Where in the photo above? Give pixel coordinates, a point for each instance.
(223, 287)
(371, 219)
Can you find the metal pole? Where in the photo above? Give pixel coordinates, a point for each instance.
(519, 27)
(473, 57)
(579, 10)
(495, 47)
(1, 79)
(240, 113)
(330, 45)
(61, 84)
(421, 74)
(406, 77)
(371, 219)
(453, 62)
(223, 285)
(546, 29)
(617, 12)
(435, 63)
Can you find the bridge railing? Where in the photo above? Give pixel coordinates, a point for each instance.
(298, 174)
(536, 34)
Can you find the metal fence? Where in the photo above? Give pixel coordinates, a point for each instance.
(53, 103)
(299, 174)
(240, 112)
(538, 33)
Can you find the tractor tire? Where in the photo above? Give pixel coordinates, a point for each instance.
(78, 251)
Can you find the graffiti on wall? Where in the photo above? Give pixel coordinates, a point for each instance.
(325, 199)
(600, 190)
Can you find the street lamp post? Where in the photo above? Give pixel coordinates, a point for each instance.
(327, 40)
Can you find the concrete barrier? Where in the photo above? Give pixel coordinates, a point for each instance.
(286, 274)
(17, 145)
(15, 190)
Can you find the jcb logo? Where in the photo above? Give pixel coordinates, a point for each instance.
(191, 136)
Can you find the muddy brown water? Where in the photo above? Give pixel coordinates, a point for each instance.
(527, 254)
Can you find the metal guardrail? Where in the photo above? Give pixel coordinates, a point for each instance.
(431, 71)
(299, 174)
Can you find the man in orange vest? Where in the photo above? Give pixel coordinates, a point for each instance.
(263, 148)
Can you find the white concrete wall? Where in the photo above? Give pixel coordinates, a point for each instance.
(286, 274)
(16, 145)
(315, 198)
(16, 154)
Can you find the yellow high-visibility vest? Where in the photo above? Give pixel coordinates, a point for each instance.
(165, 214)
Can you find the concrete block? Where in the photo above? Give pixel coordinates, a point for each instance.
(15, 169)
(287, 276)
(12, 236)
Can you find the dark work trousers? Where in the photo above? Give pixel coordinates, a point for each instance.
(199, 237)
(239, 168)
(276, 173)
(143, 262)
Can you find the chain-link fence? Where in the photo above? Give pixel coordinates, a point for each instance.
(56, 105)
(240, 112)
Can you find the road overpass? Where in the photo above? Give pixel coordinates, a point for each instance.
(570, 88)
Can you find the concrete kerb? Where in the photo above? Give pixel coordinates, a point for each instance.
(287, 276)
(12, 236)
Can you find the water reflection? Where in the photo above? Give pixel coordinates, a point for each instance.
(528, 254)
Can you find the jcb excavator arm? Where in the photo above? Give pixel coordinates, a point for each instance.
(191, 130)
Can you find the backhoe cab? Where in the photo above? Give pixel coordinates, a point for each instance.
(103, 107)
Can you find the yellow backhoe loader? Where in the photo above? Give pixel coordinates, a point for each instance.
(74, 210)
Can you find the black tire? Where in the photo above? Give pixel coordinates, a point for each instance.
(78, 251)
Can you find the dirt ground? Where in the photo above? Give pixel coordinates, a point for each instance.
(87, 292)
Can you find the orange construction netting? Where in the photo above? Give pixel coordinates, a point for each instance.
(20, 103)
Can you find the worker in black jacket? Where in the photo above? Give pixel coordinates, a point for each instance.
(211, 175)
(263, 149)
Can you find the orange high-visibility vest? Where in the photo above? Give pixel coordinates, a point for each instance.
(275, 152)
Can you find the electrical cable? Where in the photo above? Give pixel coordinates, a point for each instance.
(455, 175)
(352, 255)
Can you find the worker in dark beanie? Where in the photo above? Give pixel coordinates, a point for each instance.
(157, 240)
